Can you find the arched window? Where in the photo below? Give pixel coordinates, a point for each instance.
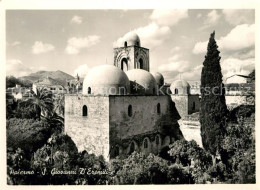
(116, 151)
(157, 140)
(125, 43)
(137, 43)
(193, 106)
(124, 66)
(89, 90)
(158, 108)
(176, 91)
(85, 111)
(130, 111)
(141, 63)
(145, 143)
(153, 90)
(132, 148)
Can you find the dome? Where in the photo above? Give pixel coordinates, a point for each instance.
(180, 87)
(141, 82)
(158, 78)
(132, 39)
(106, 80)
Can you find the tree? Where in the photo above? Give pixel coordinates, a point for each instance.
(41, 102)
(213, 113)
(11, 81)
(27, 134)
(252, 76)
(239, 148)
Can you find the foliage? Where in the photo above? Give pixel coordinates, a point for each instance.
(11, 81)
(57, 162)
(17, 161)
(213, 106)
(185, 152)
(27, 134)
(177, 174)
(139, 169)
(242, 111)
(252, 76)
(239, 152)
(41, 102)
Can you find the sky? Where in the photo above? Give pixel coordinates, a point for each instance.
(74, 41)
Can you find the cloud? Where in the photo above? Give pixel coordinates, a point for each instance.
(188, 74)
(74, 44)
(151, 35)
(242, 16)
(175, 49)
(16, 68)
(16, 43)
(158, 30)
(168, 17)
(211, 19)
(200, 47)
(76, 19)
(232, 66)
(40, 47)
(82, 71)
(174, 57)
(177, 66)
(240, 37)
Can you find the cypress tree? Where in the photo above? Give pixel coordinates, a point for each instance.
(213, 112)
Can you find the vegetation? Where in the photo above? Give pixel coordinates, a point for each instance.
(213, 113)
(36, 143)
(41, 102)
(11, 81)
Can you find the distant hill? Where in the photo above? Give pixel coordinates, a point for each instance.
(59, 76)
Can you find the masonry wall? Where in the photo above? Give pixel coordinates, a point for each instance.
(144, 123)
(181, 104)
(91, 132)
(132, 54)
(193, 99)
(233, 101)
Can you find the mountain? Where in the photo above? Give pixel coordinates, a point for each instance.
(59, 76)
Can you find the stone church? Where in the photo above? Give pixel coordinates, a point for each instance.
(124, 108)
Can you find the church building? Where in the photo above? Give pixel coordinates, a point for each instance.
(122, 108)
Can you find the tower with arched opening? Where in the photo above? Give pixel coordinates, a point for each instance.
(128, 54)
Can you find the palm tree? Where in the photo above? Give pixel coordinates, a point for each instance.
(41, 102)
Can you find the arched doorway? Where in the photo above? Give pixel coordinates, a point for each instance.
(85, 111)
(124, 66)
(140, 63)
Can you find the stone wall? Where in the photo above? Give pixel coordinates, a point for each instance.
(181, 103)
(91, 132)
(158, 126)
(234, 101)
(193, 99)
(132, 54)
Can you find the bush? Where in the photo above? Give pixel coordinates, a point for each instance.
(139, 169)
(27, 134)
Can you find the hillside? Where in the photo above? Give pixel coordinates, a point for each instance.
(58, 76)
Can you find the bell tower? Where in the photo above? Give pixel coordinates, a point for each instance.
(130, 55)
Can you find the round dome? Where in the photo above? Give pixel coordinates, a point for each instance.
(141, 82)
(158, 78)
(180, 87)
(106, 80)
(132, 39)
